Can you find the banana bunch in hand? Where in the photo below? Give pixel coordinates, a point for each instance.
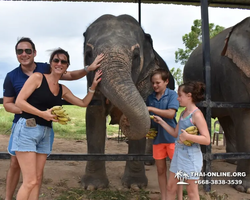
(193, 130)
(151, 134)
(61, 114)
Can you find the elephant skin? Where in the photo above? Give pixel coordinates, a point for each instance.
(122, 92)
(230, 82)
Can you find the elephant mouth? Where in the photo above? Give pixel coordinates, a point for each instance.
(125, 127)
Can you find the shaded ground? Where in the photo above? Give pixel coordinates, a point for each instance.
(61, 175)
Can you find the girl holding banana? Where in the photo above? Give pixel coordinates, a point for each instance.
(31, 135)
(187, 158)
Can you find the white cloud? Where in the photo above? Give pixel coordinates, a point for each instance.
(61, 24)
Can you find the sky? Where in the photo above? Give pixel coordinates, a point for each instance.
(61, 24)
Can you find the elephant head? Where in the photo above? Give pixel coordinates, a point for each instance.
(129, 60)
(237, 45)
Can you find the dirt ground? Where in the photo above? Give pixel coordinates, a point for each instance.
(61, 175)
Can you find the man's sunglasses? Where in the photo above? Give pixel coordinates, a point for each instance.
(20, 51)
(56, 60)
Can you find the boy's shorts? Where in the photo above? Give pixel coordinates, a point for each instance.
(164, 150)
(13, 153)
(30, 139)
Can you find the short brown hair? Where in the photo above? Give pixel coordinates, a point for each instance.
(164, 74)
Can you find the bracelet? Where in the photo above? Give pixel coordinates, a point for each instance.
(91, 91)
(86, 68)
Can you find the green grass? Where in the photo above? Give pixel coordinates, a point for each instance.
(5, 121)
(75, 129)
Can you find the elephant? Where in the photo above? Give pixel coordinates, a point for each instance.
(230, 82)
(129, 60)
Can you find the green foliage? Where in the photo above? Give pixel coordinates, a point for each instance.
(177, 74)
(193, 39)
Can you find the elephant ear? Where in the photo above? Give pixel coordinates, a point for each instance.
(237, 46)
(151, 61)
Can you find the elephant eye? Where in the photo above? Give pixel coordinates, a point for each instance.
(88, 55)
(135, 70)
(136, 53)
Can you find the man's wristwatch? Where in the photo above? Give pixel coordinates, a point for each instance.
(86, 68)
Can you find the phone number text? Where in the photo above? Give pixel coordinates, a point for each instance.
(219, 182)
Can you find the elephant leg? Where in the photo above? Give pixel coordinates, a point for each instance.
(241, 119)
(95, 173)
(149, 150)
(134, 175)
(229, 131)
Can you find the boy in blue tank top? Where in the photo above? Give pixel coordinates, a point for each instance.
(163, 102)
(187, 160)
(13, 83)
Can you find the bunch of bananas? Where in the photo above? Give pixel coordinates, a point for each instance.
(61, 114)
(151, 134)
(193, 130)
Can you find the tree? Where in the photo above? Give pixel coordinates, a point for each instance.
(193, 39)
(177, 74)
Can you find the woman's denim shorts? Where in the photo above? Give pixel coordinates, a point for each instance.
(13, 153)
(31, 139)
(187, 159)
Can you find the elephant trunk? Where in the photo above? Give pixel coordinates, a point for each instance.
(118, 87)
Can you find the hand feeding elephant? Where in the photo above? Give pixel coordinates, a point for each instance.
(230, 82)
(129, 60)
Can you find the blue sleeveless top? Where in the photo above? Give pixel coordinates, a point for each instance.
(186, 122)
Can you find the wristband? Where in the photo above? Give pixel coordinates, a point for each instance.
(91, 91)
(86, 68)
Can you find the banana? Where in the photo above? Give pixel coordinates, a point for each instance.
(151, 134)
(64, 119)
(188, 143)
(57, 107)
(61, 114)
(58, 112)
(193, 130)
(62, 122)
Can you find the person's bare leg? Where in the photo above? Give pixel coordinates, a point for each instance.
(162, 176)
(179, 189)
(40, 163)
(193, 190)
(171, 186)
(12, 178)
(27, 162)
(180, 192)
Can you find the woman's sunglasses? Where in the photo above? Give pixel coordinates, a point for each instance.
(20, 51)
(56, 60)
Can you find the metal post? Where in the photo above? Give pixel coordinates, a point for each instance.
(139, 11)
(207, 71)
